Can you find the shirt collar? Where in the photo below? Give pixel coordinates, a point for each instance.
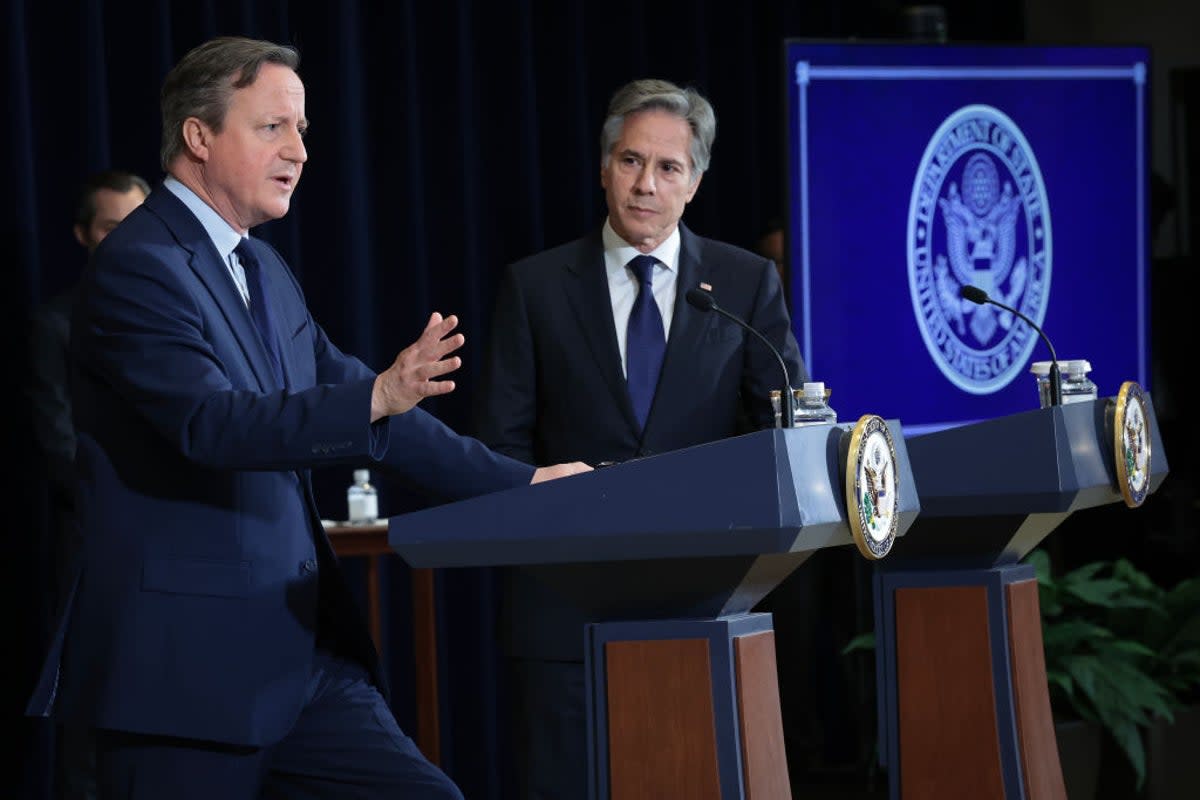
(622, 252)
(224, 238)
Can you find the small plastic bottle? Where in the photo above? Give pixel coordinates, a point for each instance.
(812, 405)
(362, 500)
(1077, 387)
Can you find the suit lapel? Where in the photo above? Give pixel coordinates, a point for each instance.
(211, 271)
(586, 285)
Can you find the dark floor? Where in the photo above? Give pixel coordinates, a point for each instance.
(835, 793)
(841, 787)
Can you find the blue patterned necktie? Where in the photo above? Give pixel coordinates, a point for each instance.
(645, 341)
(260, 309)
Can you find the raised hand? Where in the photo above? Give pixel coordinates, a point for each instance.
(412, 376)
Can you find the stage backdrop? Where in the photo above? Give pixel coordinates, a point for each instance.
(914, 170)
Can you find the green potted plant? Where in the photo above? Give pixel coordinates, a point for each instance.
(1172, 633)
(1170, 629)
(1102, 665)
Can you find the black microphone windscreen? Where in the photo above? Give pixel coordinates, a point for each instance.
(698, 298)
(974, 294)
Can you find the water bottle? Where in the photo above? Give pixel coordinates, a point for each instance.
(812, 405)
(362, 499)
(1077, 387)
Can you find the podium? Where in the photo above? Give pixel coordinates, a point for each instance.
(668, 554)
(964, 707)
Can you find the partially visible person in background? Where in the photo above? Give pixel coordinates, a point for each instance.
(596, 355)
(771, 245)
(106, 198)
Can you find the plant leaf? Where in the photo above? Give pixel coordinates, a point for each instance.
(864, 641)
(1129, 739)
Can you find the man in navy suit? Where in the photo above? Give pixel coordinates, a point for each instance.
(559, 382)
(211, 640)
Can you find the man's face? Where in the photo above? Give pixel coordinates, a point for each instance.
(253, 165)
(111, 207)
(648, 178)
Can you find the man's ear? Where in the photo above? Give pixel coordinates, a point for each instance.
(81, 234)
(196, 136)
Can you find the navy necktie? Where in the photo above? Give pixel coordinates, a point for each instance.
(645, 341)
(260, 309)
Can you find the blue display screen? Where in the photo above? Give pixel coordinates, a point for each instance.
(915, 169)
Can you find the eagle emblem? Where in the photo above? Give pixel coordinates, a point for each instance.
(1131, 438)
(871, 487)
(979, 216)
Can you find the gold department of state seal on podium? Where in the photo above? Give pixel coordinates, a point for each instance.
(871, 487)
(1131, 443)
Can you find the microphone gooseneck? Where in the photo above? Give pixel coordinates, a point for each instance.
(979, 297)
(705, 302)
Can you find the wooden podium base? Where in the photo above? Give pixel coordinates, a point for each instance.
(685, 708)
(963, 700)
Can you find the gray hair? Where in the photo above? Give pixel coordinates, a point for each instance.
(645, 95)
(204, 80)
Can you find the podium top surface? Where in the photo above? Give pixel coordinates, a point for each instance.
(1048, 460)
(769, 492)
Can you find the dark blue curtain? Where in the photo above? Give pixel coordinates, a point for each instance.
(447, 139)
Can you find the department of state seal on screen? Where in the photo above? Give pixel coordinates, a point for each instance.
(978, 216)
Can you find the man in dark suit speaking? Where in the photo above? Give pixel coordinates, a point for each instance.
(596, 356)
(212, 641)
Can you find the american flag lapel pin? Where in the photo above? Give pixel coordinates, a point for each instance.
(706, 286)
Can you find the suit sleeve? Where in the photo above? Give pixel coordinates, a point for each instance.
(506, 407)
(770, 317)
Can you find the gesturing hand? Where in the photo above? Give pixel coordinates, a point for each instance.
(411, 377)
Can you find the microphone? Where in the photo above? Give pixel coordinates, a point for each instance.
(979, 297)
(703, 301)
